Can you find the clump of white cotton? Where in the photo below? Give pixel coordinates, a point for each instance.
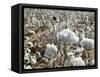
(67, 36)
(87, 43)
(50, 51)
(33, 59)
(72, 60)
(27, 67)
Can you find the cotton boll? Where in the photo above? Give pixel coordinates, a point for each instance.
(27, 50)
(50, 51)
(88, 28)
(54, 47)
(87, 43)
(26, 56)
(73, 61)
(27, 67)
(78, 50)
(67, 62)
(67, 36)
(92, 62)
(38, 54)
(33, 60)
(70, 54)
(77, 61)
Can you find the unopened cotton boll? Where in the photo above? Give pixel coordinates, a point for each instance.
(50, 51)
(87, 43)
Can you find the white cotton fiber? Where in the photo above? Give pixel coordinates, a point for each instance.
(87, 43)
(50, 51)
(67, 36)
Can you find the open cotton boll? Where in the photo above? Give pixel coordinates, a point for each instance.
(67, 62)
(33, 60)
(54, 47)
(27, 67)
(73, 61)
(67, 36)
(77, 61)
(92, 62)
(87, 43)
(70, 54)
(88, 28)
(26, 56)
(27, 50)
(50, 51)
(78, 49)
